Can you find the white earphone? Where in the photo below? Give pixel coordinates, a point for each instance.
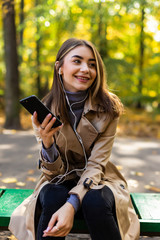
(59, 71)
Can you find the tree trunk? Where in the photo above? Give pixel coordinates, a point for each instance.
(11, 60)
(141, 57)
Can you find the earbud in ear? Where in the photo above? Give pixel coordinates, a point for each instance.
(60, 71)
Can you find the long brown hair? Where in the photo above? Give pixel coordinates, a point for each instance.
(109, 101)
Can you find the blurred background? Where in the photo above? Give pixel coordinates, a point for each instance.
(126, 33)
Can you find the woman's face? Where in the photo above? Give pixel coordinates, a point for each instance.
(79, 69)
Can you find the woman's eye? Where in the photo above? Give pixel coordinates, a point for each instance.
(76, 61)
(92, 65)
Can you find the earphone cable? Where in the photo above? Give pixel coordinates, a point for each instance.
(67, 172)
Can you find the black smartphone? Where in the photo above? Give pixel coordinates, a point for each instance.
(33, 103)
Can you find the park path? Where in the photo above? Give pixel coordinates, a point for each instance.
(137, 159)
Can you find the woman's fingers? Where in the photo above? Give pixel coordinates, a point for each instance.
(53, 220)
(51, 229)
(35, 120)
(55, 231)
(50, 124)
(61, 222)
(46, 121)
(45, 129)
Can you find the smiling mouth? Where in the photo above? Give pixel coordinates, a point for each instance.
(82, 79)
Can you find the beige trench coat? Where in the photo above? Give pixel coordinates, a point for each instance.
(98, 133)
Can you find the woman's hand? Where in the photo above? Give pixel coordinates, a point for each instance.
(45, 129)
(61, 221)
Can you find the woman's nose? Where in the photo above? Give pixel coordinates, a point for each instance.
(84, 67)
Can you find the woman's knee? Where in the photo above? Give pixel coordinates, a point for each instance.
(98, 201)
(52, 196)
(92, 202)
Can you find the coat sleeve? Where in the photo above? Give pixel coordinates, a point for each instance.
(98, 160)
(49, 169)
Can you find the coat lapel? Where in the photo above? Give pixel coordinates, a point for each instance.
(85, 128)
(87, 132)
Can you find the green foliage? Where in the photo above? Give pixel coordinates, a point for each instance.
(113, 26)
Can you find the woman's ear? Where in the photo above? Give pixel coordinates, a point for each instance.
(57, 65)
(59, 69)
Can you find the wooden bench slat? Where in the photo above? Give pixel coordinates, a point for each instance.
(147, 204)
(147, 207)
(9, 200)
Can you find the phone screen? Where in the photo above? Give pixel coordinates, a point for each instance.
(32, 104)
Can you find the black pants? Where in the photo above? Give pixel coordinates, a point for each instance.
(98, 210)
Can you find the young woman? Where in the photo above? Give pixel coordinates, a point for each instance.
(77, 175)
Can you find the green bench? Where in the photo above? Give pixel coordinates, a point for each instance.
(147, 207)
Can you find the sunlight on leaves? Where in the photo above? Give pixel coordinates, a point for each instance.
(31, 171)
(119, 167)
(140, 174)
(29, 156)
(31, 179)
(152, 183)
(154, 152)
(4, 187)
(152, 188)
(132, 183)
(20, 184)
(9, 131)
(9, 180)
